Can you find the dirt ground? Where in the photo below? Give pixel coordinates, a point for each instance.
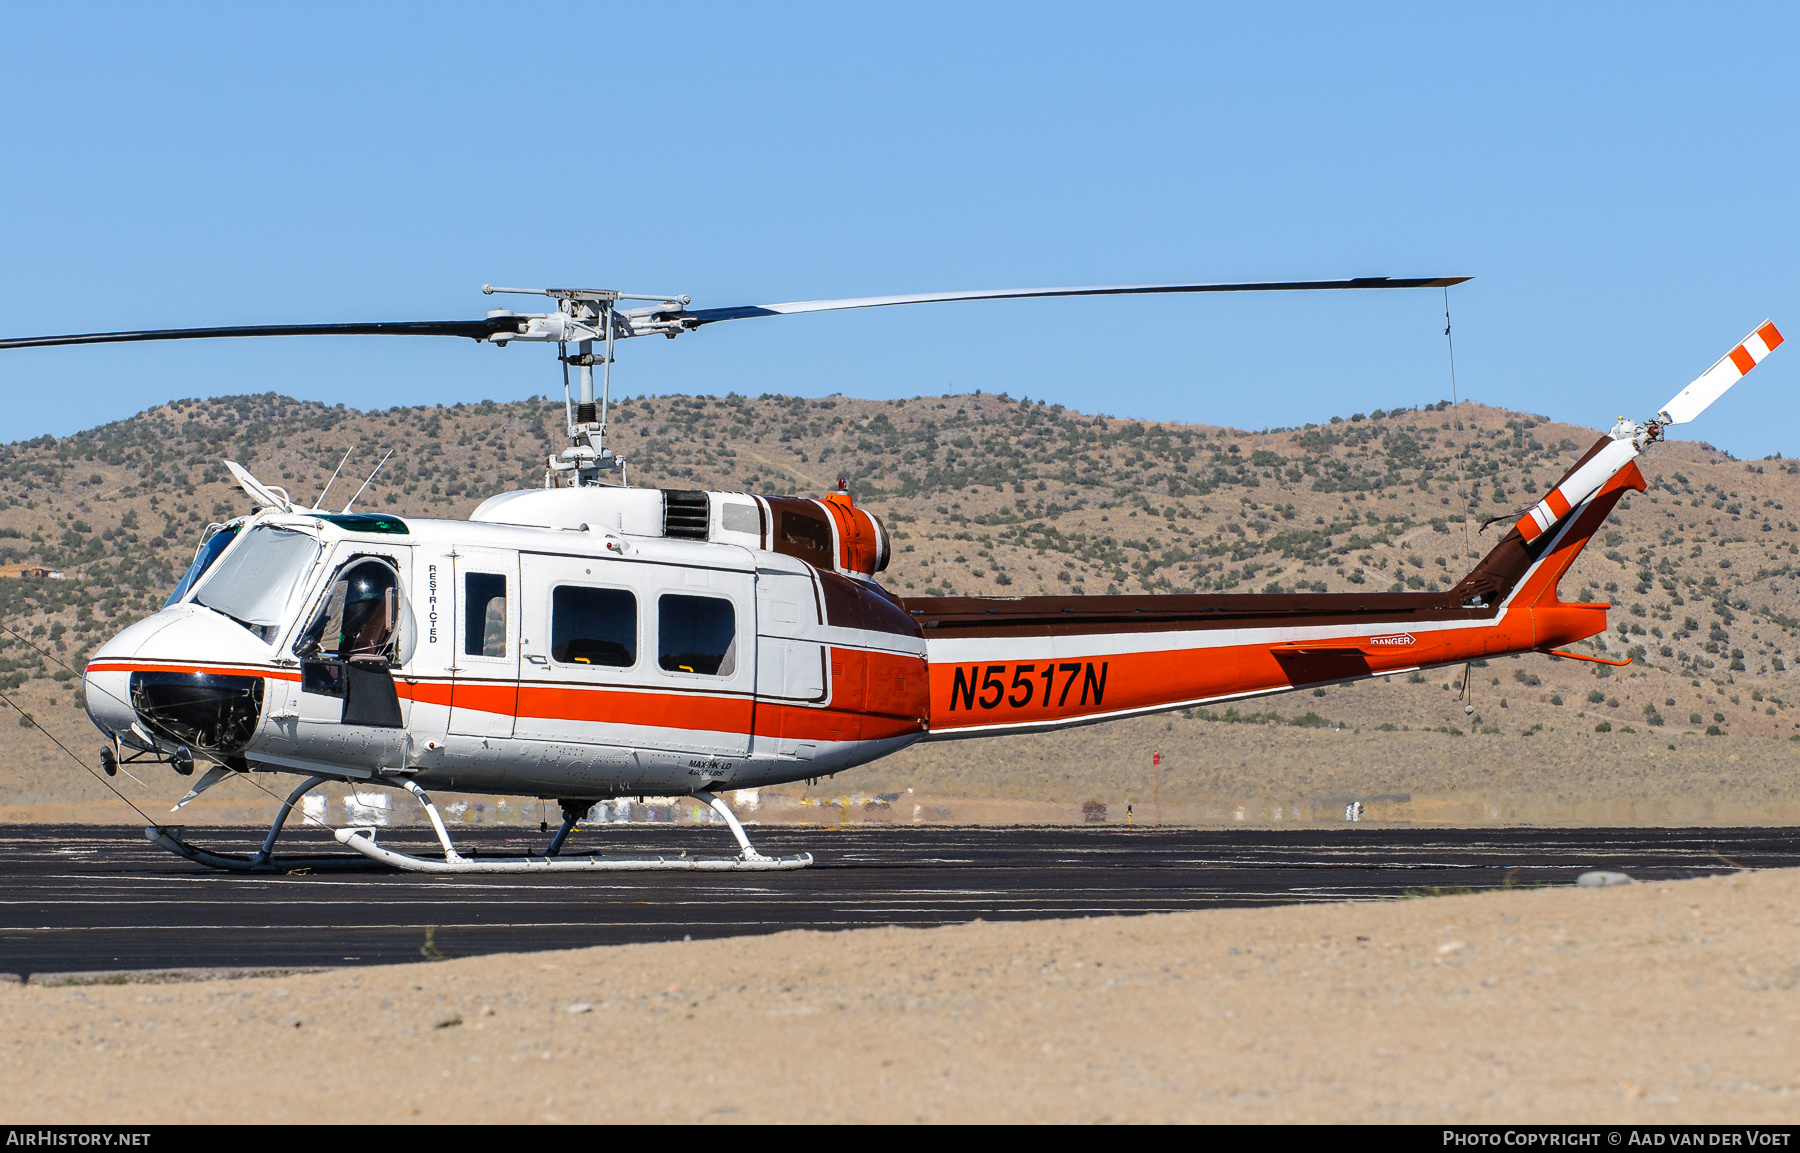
(1645, 1003)
(1211, 774)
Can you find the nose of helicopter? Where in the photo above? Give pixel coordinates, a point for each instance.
(106, 682)
(160, 681)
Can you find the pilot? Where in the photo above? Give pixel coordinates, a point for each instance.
(369, 603)
(359, 616)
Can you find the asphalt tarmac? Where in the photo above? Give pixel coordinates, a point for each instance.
(86, 898)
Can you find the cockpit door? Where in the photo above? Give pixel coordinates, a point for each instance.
(484, 687)
(360, 633)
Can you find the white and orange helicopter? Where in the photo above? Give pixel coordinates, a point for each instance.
(589, 640)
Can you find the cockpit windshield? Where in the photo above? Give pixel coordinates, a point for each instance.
(217, 537)
(254, 582)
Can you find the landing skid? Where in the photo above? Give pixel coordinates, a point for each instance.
(167, 837)
(264, 860)
(362, 839)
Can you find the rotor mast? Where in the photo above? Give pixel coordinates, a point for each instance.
(584, 317)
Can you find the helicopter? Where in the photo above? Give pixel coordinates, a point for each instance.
(588, 640)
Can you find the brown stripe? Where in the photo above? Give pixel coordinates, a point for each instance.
(944, 617)
(851, 604)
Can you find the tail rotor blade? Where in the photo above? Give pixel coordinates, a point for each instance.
(1710, 385)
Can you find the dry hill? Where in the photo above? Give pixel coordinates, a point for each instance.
(992, 495)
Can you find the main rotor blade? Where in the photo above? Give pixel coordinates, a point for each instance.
(670, 321)
(473, 329)
(700, 316)
(1710, 385)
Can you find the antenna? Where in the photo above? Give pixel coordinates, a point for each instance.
(320, 503)
(1451, 345)
(365, 484)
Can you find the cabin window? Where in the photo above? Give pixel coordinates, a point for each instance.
(807, 535)
(484, 614)
(696, 635)
(590, 626)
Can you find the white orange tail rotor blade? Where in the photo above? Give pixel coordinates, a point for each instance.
(1693, 400)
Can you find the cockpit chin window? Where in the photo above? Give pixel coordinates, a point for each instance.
(365, 618)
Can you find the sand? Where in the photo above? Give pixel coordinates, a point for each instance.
(1645, 1003)
(1211, 775)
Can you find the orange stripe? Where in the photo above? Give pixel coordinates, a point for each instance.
(1142, 681)
(1771, 336)
(709, 714)
(892, 687)
(798, 722)
(1559, 504)
(873, 695)
(426, 692)
(665, 710)
(1528, 528)
(1742, 359)
(895, 685)
(210, 670)
(487, 698)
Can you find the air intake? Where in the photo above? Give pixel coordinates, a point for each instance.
(686, 514)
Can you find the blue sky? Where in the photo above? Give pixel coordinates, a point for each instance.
(1620, 180)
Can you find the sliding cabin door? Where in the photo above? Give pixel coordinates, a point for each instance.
(624, 653)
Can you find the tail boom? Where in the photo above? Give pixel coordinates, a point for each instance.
(1031, 664)
(980, 688)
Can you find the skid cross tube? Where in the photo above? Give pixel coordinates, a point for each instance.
(281, 816)
(718, 805)
(362, 838)
(562, 834)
